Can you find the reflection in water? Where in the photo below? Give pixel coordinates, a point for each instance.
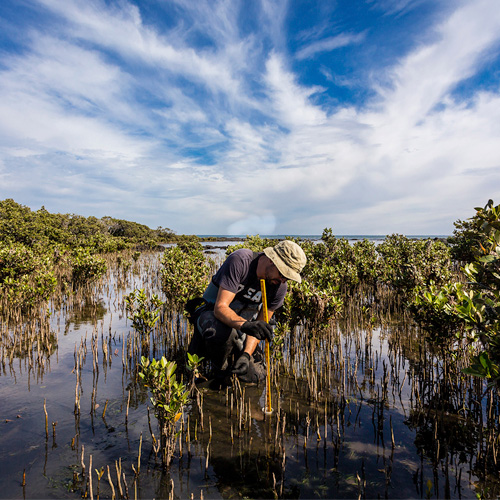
(359, 412)
(88, 311)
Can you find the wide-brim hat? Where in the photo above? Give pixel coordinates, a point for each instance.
(289, 258)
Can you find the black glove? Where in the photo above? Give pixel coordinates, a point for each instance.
(242, 364)
(258, 329)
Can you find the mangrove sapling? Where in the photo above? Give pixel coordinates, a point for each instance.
(144, 314)
(193, 365)
(168, 399)
(99, 473)
(406, 264)
(185, 273)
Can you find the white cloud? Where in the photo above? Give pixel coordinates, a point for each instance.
(63, 98)
(397, 6)
(121, 29)
(290, 100)
(110, 112)
(329, 44)
(431, 71)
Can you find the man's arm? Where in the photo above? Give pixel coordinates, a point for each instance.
(224, 313)
(251, 343)
(269, 314)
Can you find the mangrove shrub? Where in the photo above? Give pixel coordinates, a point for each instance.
(169, 396)
(185, 273)
(26, 275)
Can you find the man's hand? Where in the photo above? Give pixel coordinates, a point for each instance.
(258, 329)
(242, 364)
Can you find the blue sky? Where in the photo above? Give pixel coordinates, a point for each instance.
(245, 117)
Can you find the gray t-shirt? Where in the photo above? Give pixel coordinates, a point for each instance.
(238, 274)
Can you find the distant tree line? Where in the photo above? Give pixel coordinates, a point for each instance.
(42, 251)
(19, 224)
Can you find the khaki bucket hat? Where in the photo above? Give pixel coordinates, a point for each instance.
(289, 258)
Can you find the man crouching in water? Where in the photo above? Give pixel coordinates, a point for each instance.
(229, 322)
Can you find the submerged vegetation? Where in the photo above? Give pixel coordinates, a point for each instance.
(385, 366)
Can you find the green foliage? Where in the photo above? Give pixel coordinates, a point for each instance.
(19, 224)
(366, 261)
(475, 306)
(482, 366)
(467, 239)
(435, 309)
(407, 265)
(472, 309)
(193, 365)
(143, 312)
(26, 275)
(34, 242)
(185, 238)
(169, 397)
(480, 307)
(185, 273)
(486, 268)
(193, 362)
(86, 267)
(126, 229)
(314, 307)
(84, 232)
(331, 265)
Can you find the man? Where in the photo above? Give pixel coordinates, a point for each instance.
(229, 323)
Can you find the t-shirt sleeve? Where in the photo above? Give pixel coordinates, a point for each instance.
(232, 271)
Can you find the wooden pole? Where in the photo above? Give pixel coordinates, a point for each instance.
(268, 408)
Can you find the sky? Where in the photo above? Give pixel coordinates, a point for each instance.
(253, 116)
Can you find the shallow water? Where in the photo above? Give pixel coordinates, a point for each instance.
(364, 413)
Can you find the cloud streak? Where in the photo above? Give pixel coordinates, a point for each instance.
(206, 120)
(329, 44)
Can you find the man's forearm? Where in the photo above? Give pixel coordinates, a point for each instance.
(228, 317)
(251, 344)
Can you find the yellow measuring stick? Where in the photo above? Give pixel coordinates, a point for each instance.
(268, 408)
